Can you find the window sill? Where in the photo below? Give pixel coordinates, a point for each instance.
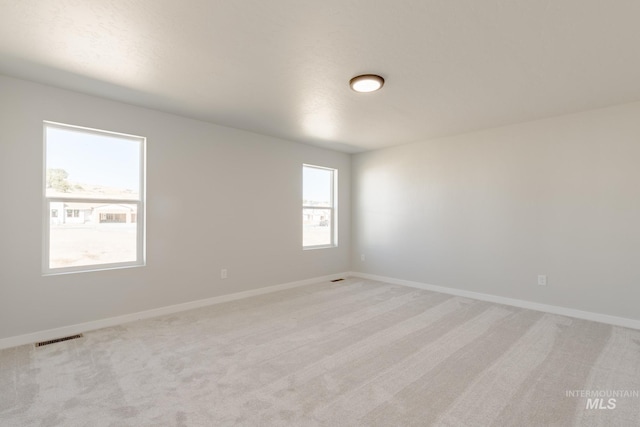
(310, 248)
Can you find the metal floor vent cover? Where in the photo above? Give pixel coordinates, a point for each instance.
(337, 280)
(72, 337)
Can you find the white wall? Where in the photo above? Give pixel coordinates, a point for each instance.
(206, 186)
(489, 211)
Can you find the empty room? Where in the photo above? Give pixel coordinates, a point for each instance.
(336, 213)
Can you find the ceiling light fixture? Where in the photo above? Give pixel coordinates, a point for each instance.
(366, 83)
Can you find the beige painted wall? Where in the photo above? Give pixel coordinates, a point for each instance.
(205, 185)
(489, 211)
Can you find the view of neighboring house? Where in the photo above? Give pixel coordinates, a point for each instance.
(316, 217)
(69, 213)
(315, 213)
(88, 213)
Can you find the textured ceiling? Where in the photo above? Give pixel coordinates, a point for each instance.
(282, 67)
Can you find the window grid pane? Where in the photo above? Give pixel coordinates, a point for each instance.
(100, 234)
(317, 226)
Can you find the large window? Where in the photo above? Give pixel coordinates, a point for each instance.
(319, 229)
(95, 179)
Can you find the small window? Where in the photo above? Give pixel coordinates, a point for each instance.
(319, 228)
(95, 179)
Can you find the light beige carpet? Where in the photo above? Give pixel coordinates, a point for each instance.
(350, 353)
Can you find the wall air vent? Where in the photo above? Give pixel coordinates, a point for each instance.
(72, 337)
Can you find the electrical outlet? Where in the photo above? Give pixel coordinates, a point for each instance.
(223, 273)
(362, 257)
(542, 280)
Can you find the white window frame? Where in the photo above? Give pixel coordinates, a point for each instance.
(333, 208)
(139, 202)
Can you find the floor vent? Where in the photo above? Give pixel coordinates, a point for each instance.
(72, 337)
(337, 280)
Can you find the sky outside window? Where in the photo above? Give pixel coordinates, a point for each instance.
(317, 186)
(94, 162)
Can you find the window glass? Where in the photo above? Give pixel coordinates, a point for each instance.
(86, 164)
(318, 207)
(96, 180)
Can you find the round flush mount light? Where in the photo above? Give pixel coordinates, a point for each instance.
(366, 83)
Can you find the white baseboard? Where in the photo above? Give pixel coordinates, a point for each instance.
(564, 311)
(50, 334)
